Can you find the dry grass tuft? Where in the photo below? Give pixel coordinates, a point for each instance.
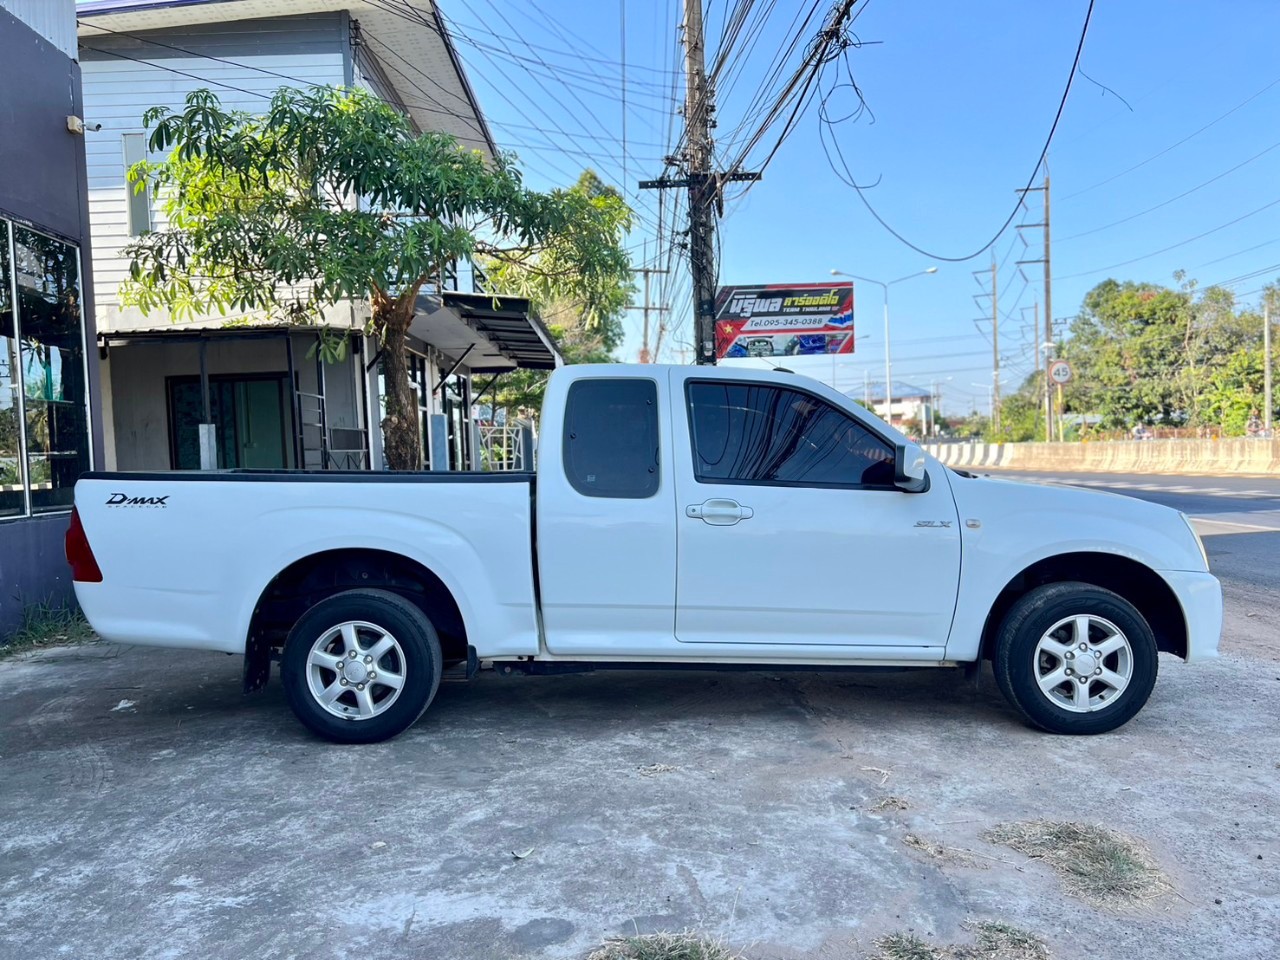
(903, 946)
(1098, 864)
(664, 946)
(993, 941)
(1003, 941)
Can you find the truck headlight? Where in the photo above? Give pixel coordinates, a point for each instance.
(1204, 554)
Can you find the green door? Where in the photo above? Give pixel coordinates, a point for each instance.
(254, 425)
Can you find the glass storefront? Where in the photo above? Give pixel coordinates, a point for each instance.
(44, 396)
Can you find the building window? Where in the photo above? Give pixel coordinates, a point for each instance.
(44, 397)
(747, 433)
(139, 200)
(13, 498)
(611, 438)
(252, 416)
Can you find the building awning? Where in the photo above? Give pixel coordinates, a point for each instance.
(493, 334)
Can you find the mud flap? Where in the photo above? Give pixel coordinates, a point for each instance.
(257, 664)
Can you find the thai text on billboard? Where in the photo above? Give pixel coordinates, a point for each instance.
(784, 320)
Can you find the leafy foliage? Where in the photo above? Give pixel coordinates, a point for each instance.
(331, 196)
(587, 327)
(1153, 355)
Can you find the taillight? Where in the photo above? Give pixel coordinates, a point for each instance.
(84, 568)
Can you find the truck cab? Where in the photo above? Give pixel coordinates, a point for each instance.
(686, 512)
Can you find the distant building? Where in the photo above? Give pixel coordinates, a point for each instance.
(910, 403)
(50, 428)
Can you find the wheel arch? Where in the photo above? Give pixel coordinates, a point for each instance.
(310, 579)
(1134, 581)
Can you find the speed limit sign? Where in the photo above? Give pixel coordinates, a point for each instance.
(1060, 372)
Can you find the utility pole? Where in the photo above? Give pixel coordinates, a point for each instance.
(1266, 363)
(995, 350)
(935, 400)
(645, 355)
(706, 197)
(1046, 260)
(1048, 304)
(1035, 325)
(702, 189)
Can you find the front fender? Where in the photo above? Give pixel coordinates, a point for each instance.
(1009, 526)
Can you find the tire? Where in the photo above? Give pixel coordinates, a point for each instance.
(366, 708)
(1039, 642)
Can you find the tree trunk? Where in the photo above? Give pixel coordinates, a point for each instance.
(401, 432)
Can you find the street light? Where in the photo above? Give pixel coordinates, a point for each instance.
(888, 367)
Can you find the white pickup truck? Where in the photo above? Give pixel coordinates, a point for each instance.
(679, 516)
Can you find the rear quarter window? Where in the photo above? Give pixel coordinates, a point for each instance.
(611, 438)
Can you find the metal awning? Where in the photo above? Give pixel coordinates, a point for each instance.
(511, 329)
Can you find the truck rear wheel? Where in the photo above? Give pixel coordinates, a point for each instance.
(361, 666)
(1075, 658)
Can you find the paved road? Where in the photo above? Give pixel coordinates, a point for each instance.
(1239, 518)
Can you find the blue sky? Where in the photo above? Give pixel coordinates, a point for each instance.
(963, 95)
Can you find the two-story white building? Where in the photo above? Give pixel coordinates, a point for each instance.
(272, 404)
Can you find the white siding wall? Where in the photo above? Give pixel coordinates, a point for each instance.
(116, 93)
(55, 20)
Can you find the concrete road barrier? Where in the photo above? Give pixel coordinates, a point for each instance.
(1237, 455)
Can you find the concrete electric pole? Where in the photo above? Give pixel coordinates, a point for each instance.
(647, 356)
(705, 185)
(1048, 299)
(1266, 363)
(995, 350)
(702, 188)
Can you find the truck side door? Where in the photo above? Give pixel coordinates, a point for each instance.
(606, 538)
(790, 528)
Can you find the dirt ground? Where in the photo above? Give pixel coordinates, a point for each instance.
(148, 810)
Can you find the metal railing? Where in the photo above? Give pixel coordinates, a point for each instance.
(506, 446)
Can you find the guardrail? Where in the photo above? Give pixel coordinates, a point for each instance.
(1213, 457)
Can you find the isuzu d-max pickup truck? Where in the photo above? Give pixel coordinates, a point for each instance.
(679, 516)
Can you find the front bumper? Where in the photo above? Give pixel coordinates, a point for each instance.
(1200, 595)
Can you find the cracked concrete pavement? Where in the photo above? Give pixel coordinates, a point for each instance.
(198, 822)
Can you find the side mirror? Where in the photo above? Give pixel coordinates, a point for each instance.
(908, 468)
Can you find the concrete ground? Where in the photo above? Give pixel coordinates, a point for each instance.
(149, 810)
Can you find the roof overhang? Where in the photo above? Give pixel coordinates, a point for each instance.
(168, 333)
(489, 334)
(417, 56)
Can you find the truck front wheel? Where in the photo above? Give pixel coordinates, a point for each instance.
(1075, 658)
(361, 666)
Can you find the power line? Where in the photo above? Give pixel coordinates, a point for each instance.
(1172, 246)
(1165, 203)
(439, 108)
(1192, 135)
(1062, 104)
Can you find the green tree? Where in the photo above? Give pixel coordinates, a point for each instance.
(331, 196)
(1021, 413)
(1149, 354)
(1127, 347)
(1235, 392)
(585, 330)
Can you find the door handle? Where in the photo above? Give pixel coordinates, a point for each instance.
(718, 512)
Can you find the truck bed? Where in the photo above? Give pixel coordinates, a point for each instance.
(186, 557)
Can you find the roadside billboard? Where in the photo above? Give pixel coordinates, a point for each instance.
(784, 320)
